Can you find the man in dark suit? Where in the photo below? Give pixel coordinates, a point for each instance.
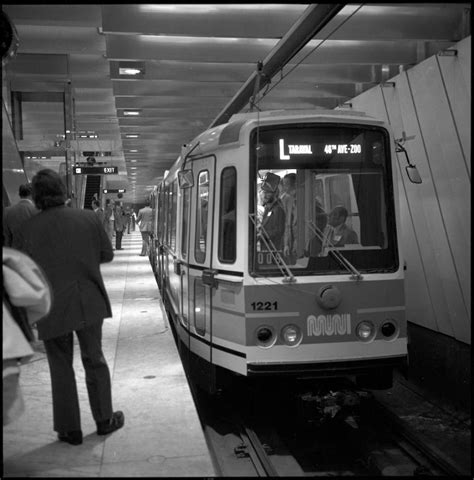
(15, 215)
(70, 244)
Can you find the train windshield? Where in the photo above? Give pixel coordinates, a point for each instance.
(319, 193)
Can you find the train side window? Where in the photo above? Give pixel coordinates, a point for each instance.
(165, 215)
(186, 193)
(202, 205)
(173, 200)
(227, 216)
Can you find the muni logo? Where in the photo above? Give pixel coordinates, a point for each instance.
(329, 325)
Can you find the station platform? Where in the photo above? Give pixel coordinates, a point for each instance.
(162, 435)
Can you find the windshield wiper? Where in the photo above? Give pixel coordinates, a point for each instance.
(336, 253)
(280, 263)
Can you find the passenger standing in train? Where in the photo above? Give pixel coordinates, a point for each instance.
(338, 232)
(120, 223)
(273, 218)
(288, 201)
(109, 219)
(15, 215)
(145, 221)
(99, 211)
(69, 244)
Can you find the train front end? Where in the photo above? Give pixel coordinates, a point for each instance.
(324, 295)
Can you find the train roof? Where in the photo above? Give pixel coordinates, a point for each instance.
(340, 112)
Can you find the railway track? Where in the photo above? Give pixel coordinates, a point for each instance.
(255, 445)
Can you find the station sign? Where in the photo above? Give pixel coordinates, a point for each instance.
(94, 170)
(114, 190)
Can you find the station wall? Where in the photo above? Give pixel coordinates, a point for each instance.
(431, 104)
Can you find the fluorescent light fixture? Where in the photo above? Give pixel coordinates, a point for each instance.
(132, 135)
(133, 161)
(131, 112)
(129, 71)
(134, 167)
(133, 151)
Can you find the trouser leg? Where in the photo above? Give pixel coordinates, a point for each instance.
(110, 230)
(118, 239)
(144, 243)
(98, 382)
(66, 413)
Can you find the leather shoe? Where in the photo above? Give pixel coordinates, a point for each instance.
(108, 426)
(74, 437)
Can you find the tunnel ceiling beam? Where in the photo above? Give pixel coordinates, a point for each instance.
(309, 24)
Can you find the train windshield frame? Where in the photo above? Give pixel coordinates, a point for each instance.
(318, 191)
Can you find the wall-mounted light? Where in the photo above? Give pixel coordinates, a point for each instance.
(129, 71)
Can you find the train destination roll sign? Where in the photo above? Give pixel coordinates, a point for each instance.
(94, 170)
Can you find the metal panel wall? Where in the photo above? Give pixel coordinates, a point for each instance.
(431, 103)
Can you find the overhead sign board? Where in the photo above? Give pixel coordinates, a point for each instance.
(94, 170)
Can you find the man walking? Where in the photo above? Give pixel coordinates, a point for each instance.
(15, 215)
(69, 244)
(145, 221)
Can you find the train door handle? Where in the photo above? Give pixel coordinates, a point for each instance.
(178, 267)
(209, 278)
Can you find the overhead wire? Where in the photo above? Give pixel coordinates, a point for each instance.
(283, 76)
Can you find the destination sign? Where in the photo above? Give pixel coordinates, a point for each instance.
(287, 150)
(94, 170)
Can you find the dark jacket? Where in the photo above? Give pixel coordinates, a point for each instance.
(14, 216)
(273, 222)
(120, 219)
(69, 245)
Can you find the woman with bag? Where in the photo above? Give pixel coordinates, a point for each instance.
(26, 300)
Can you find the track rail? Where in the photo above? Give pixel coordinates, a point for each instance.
(427, 455)
(257, 452)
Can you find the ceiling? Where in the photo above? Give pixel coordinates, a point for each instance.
(196, 58)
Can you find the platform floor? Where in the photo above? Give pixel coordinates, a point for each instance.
(162, 435)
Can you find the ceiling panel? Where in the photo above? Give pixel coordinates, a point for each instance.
(197, 57)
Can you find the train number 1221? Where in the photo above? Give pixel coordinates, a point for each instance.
(264, 305)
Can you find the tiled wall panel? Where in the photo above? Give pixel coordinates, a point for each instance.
(431, 102)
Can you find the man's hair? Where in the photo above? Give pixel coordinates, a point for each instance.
(340, 210)
(96, 203)
(48, 189)
(24, 190)
(289, 179)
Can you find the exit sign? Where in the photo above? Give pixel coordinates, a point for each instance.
(94, 170)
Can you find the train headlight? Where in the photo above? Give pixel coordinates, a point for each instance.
(265, 336)
(389, 329)
(291, 335)
(365, 331)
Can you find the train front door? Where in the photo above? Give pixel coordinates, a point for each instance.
(200, 275)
